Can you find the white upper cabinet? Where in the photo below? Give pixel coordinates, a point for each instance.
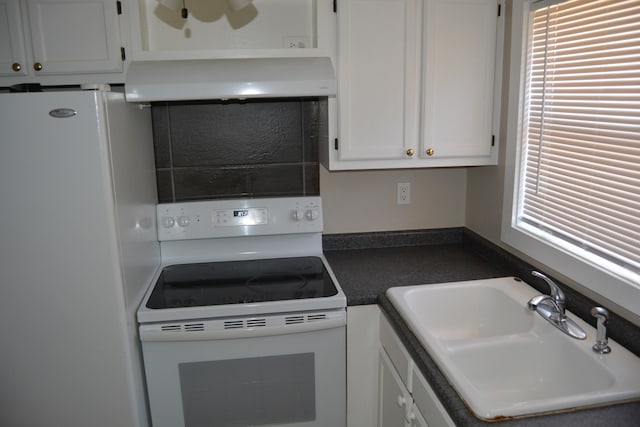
(13, 60)
(60, 42)
(458, 78)
(75, 36)
(378, 79)
(418, 84)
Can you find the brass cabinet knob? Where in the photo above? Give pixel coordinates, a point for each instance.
(410, 152)
(37, 66)
(430, 151)
(16, 67)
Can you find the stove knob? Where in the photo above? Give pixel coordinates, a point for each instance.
(312, 214)
(183, 221)
(297, 215)
(167, 221)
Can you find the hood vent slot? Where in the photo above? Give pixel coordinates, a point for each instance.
(240, 78)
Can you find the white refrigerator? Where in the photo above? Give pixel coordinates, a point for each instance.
(78, 248)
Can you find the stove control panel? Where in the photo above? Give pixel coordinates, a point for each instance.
(243, 217)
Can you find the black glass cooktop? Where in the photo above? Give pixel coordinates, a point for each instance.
(239, 282)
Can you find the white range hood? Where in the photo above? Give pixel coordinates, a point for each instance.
(199, 79)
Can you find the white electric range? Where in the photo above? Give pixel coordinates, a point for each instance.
(245, 322)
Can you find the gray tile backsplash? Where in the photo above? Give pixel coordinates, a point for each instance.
(234, 149)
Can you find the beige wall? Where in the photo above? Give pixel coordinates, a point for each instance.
(365, 201)
(484, 201)
(485, 185)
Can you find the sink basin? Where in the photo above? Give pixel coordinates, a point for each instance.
(507, 361)
(476, 318)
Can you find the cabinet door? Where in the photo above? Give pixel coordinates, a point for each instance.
(74, 36)
(417, 420)
(12, 53)
(378, 78)
(426, 403)
(459, 61)
(395, 402)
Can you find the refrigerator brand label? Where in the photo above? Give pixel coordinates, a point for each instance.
(61, 113)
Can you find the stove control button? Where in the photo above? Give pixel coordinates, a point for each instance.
(297, 215)
(167, 221)
(311, 214)
(260, 216)
(184, 221)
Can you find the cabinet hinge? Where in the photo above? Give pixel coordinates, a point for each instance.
(335, 6)
(335, 144)
(123, 54)
(119, 7)
(499, 9)
(493, 140)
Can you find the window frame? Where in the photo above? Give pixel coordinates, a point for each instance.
(584, 268)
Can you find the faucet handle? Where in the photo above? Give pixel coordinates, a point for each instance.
(601, 346)
(556, 292)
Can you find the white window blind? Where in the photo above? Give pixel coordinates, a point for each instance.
(580, 169)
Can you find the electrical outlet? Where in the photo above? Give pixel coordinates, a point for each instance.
(404, 193)
(295, 42)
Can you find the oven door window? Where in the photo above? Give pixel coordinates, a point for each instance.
(250, 391)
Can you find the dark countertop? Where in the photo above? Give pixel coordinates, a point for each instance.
(367, 264)
(366, 273)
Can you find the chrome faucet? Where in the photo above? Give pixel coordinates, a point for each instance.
(552, 309)
(546, 302)
(556, 293)
(602, 343)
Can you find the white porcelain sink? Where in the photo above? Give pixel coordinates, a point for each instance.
(507, 361)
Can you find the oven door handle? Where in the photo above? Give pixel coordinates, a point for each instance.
(154, 333)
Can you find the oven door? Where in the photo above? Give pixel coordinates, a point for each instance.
(248, 371)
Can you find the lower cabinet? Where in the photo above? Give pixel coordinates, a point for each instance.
(396, 406)
(405, 397)
(385, 388)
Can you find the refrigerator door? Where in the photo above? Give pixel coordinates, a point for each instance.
(66, 355)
